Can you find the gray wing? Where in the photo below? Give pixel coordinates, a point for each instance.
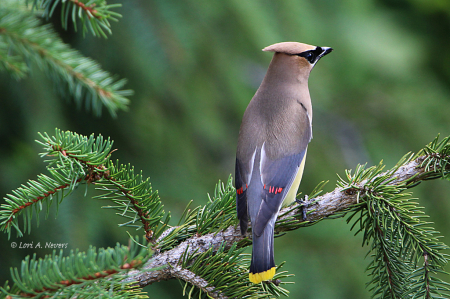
(277, 177)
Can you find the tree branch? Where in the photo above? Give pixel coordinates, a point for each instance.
(338, 200)
(188, 276)
(45, 195)
(341, 199)
(89, 9)
(84, 78)
(172, 258)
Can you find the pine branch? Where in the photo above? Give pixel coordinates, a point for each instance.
(226, 270)
(428, 286)
(93, 14)
(392, 221)
(194, 252)
(13, 64)
(199, 244)
(351, 196)
(76, 159)
(207, 240)
(196, 282)
(135, 200)
(92, 273)
(407, 174)
(72, 73)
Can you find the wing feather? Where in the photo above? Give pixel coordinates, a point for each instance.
(277, 179)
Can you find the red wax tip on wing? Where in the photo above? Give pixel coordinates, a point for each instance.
(273, 189)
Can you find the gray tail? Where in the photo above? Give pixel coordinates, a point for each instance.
(262, 251)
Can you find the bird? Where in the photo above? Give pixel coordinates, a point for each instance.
(273, 140)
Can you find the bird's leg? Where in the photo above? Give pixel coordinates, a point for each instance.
(303, 205)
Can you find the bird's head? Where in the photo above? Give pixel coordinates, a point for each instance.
(305, 55)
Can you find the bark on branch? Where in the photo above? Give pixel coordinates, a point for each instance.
(319, 208)
(339, 200)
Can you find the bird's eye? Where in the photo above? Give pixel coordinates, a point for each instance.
(311, 56)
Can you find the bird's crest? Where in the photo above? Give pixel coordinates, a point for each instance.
(291, 48)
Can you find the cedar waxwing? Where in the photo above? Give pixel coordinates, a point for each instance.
(273, 139)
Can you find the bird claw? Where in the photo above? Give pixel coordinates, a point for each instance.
(303, 205)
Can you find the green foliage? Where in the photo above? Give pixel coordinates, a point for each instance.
(219, 212)
(406, 254)
(405, 251)
(134, 199)
(227, 271)
(216, 215)
(92, 274)
(72, 158)
(70, 150)
(24, 39)
(13, 64)
(93, 14)
(437, 155)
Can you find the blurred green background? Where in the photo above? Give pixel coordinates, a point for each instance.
(194, 66)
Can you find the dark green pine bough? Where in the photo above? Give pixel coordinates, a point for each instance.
(25, 41)
(205, 249)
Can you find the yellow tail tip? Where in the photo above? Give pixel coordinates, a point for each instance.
(262, 276)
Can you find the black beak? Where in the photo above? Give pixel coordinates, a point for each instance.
(325, 51)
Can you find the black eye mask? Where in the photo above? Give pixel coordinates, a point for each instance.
(312, 55)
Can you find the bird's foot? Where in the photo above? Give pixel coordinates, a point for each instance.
(303, 206)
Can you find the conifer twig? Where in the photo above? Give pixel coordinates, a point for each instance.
(206, 249)
(94, 15)
(341, 199)
(92, 273)
(192, 278)
(72, 73)
(171, 257)
(87, 8)
(318, 208)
